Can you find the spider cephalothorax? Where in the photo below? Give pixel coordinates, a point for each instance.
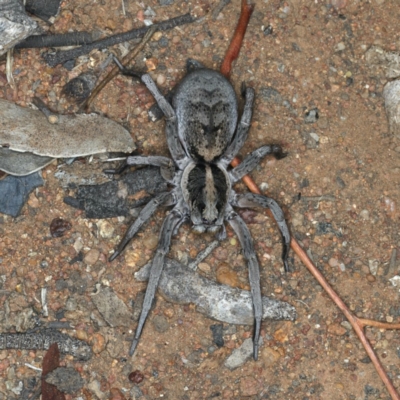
(204, 135)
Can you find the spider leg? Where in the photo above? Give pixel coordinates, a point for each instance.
(253, 159)
(171, 221)
(157, 161)
(171, 129)
(246, 241)
(242, 129)
(258, 200)
(148, 210)
(128, 71)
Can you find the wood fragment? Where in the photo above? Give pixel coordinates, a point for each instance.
(59, 57)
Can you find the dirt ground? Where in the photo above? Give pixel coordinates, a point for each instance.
(338, 187)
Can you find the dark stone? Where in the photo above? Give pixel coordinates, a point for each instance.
(217, 330)
(163, 42)
(67, 380)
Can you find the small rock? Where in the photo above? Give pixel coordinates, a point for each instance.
(163, 42)
(227, 276)
(311, 116)
(94, 386)
(336, 329)
(58, 227)
(160, 323)
(333, 262)
(136, 376)
(33, 201)
(106, 230)
(98, 343)
(160, 79)
(217, 330)
(340, 46)
(116, 394)
(270, 356)
(82, 335)
(364, 214)
(91, 257)
(111, 307)
(395, 281)
(204, 267)
(240, 355)
(281, 336)
(67, 380)
(373, 266)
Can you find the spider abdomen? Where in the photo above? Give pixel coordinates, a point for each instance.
(206, 110)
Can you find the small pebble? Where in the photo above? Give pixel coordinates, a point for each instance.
(160, 79)
(340, 46)
(91, 257)
(204, 267)
(371, 278)
(337, 330)
(333, 262)
(116, 394)
(106, 230)
(150, 242)
(269, 356)
(136, 377)
(217, 333)
(58, 227)
(160, 323)
(227, 276)
(98, 343)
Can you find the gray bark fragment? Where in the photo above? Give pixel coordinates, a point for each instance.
(224, 303)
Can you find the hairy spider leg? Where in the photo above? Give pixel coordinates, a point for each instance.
(242, 128)
(246, 242)
(258, 200)
(168, 228)
(253, 159)
(156, 161)
(171, 130)
(144, 215)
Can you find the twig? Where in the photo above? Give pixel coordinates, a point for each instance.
(60, 57)
(358, 324)
(59, 40)
(202, 255)
(114, 72)
(51, 117)
(236, 42)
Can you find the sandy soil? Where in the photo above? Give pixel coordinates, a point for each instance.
(344, 165)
